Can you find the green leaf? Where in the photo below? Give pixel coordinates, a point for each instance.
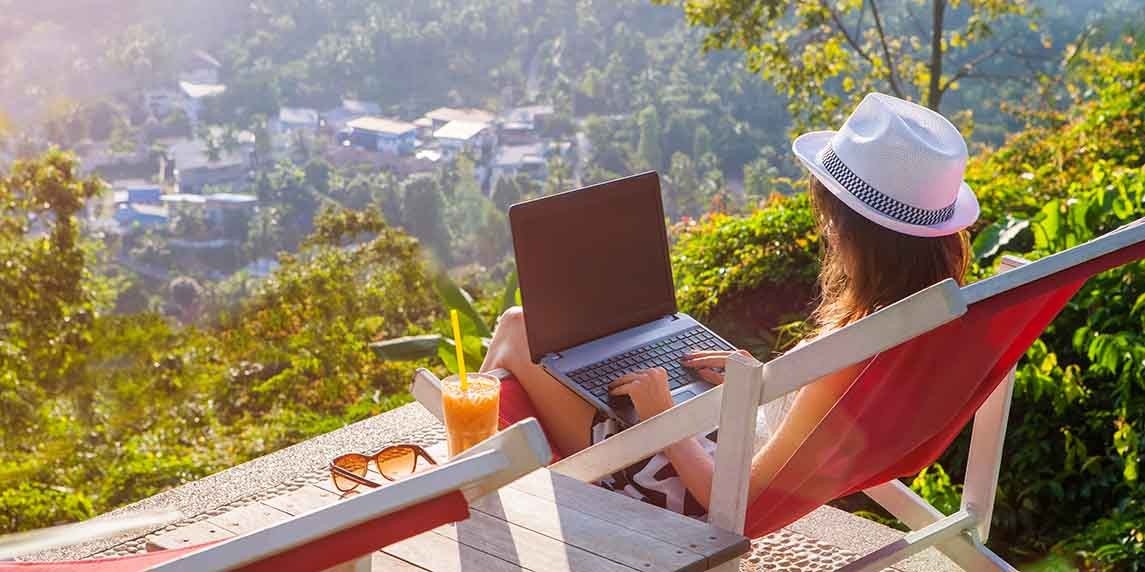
(996, 236)
(509, 296)
(1047, 226)
(455, 298)
(407, 348)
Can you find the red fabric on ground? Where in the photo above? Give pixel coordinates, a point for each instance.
(117, 564)
(360, 540)
(516, 406)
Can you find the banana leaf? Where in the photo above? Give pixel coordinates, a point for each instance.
(407, 348)
(455, 298)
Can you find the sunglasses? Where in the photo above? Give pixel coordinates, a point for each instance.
(349, 470)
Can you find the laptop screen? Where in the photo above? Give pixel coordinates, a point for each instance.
(592, 262)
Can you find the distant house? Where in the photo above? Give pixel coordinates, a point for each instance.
(144, 194)
(388, 136)
(291, 124)
(194, 94)
(442, 115)
(513, 160)
(136, 191)
(292, 119)
(143, 216)
(530, 115)
(196, 167)
(336, 119)
(161, 102)
(458, 135)
(424, 127)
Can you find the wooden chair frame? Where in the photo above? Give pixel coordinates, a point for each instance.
(492, 464)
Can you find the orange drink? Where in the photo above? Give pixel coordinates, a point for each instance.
(470, 415)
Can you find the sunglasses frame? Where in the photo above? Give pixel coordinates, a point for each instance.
(359, 480)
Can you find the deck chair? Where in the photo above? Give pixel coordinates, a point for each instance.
(934, 360)
(342, 536)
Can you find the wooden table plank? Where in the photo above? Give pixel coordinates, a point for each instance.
(302, 500)
(189, 535)
(524, 547)
(435, 552)
(674, 528)
(383, 561)
(249, 518)
(620, 543)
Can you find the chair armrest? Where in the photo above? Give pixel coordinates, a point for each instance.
(697, 415)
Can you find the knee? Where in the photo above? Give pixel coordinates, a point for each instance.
(512, 319)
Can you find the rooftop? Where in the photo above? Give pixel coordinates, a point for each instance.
(460, 130)
(361, 107)
(381, 125)
(193, 154)
(231, 198)
(298, 116)
(461, 114)
(533, 153)
(183, 199)
(201, 90)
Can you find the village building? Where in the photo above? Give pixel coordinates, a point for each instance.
(442, 115)
(388, 136)
(196, 166)
(464, 136)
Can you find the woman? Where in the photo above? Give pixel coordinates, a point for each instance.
(891, 207)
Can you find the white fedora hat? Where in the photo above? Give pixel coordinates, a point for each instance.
(898, 164)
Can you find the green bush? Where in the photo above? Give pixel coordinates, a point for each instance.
(36, 505)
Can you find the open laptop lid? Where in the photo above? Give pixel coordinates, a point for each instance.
(592, 262)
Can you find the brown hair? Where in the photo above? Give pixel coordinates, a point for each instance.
(866, 266)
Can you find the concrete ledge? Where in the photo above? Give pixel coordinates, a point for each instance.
(409, 423)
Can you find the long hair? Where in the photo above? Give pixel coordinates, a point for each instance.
(866, 266)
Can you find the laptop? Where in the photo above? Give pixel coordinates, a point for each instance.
(596, 285)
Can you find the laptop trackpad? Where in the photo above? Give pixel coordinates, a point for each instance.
(682, 396)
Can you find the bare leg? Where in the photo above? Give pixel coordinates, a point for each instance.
(566, 417)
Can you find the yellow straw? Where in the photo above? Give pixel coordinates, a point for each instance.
(460, 351)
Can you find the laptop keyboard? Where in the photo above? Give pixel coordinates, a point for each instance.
(665, 353)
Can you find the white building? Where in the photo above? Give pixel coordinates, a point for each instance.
(457, 136)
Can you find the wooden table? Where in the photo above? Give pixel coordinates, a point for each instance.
(543, 522)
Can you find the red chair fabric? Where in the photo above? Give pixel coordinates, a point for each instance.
(910, 402)
(338, 547)
(360, 540)
(115, 564)
(516, 406)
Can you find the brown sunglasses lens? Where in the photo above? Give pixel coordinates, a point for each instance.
(396, 462)
(353, 463)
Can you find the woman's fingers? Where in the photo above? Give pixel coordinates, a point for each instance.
(626, 379)
(709, 361)
(711, 376)
(706, 353)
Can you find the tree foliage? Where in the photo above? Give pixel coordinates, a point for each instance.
(822, 55)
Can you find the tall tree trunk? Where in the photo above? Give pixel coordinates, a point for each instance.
(934, 93)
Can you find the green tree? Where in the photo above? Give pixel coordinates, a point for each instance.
(685, 189)
(822, 55)
(49, 296)
(648, 149)
(506, 192)
(423, 213)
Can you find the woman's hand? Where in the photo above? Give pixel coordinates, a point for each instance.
(710, 365)
(648, 390)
